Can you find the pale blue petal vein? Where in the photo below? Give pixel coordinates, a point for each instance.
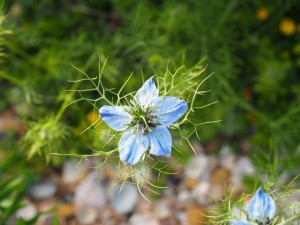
(116, 117)
(262, 206)
(147, 94)
(132, 146)
(169, 109)
(160, 141)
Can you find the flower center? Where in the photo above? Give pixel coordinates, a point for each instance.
(142, 120)
(267, 222)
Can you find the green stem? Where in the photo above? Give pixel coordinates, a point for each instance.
(10, 78)
(14, 48)
(101, 94)
(75, 85)
(64, 106)
(95, 85)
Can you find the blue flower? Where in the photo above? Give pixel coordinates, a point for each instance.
(261, 209)
(242, 223)
(144, 123)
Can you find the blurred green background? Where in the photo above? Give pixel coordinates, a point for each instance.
(252, 46)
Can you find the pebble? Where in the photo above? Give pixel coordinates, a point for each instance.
(73, 171)
(242, 167)
(143, 219)
(51, 219)
(169, 221)
(124, 198)
(184, 197)
(46, 205)
(43, 190)
(89, 193)
(87, 215)
(245, 165)
(27, 212)
(201, 193)
(190, 183)
(162, 209)
(66, 210)
(196, 215)
(226, 158)
(144, 206)
(220, 176)
(182, 217)
(196, 167)
(109, 217)
(182, 202)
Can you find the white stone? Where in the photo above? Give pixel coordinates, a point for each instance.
(196, 167)
(124, 198)
(201, 193)
(184, 196)
(89, 193)
(27, 212)
(43, 190)
(73, 170)
(162, 209)
(182, 217)
(227, 158)
(143, 219)
(87, 215)
(243, 167)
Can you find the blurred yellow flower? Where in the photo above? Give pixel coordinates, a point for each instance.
(287, 26)
(92, 116)
(16, 10)
(262, 14)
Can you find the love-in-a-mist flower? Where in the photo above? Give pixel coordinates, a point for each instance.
(261, 209)
(144, 123)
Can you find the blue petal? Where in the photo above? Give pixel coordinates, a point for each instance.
(160, 141)
(169, 110)
(261, 206)
(115, 116)
(147, 95)
(241, 223)
(132, 147)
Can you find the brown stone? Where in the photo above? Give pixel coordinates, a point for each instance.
(50, 220)
(220, 176)
(169, 221)
(66, 210)
(196, 215)
(190, 183)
